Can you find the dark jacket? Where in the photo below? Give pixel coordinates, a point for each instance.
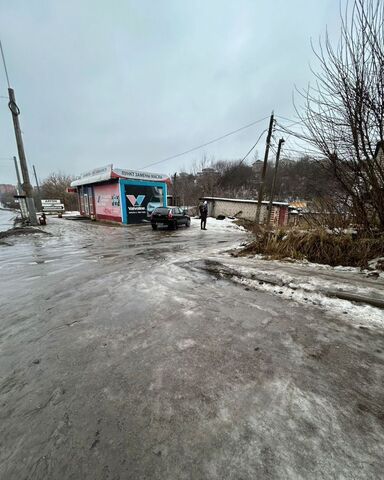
(203, 211)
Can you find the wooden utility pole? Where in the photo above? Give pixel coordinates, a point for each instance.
(20, 193)
(37, 182)
(37, 185)
(19, 189)
(261, 188)
(174, 201)
(281, 141)
(27, 187)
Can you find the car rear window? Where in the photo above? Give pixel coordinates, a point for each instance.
(161, 210)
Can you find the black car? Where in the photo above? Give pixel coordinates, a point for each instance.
(171, 217)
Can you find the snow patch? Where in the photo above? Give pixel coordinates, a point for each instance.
(215, 225)
(358, 315)
(186, 343)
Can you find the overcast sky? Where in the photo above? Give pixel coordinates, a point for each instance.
(130, 82)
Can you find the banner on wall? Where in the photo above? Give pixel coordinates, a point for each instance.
(137, 175)
(141, 201)
(107, 201)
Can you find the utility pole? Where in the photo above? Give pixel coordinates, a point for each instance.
(37, 182)
(174, 189)
(281, 141)
(20, 193)
(27, 187)
(37, 185)
(261, 188)
(19, 189)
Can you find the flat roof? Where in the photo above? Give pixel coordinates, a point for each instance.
(109, 172)
(239, 200)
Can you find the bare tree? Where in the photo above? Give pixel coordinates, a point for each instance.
(8, 200)
(343, 113)
(55, 187)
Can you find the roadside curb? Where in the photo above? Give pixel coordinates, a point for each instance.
(353, 297)
(341, 294)
(226, 271)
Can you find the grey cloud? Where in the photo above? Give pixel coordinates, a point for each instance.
(133, 82)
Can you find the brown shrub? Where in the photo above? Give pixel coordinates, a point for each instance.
(318, 246)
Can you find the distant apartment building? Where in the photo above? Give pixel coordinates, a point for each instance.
(208, 172)
(7, 188)
(257, 166)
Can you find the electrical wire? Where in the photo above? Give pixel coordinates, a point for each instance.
(289, 126)
(257, 141)
(303, 152)
(290, 133)
(11, 104)
(5, 65)
(205, 144)
(290, 119)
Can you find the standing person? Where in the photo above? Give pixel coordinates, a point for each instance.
(203, 215)
(43, 219)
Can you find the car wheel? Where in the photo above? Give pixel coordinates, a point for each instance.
(154, 226)
(188, 222)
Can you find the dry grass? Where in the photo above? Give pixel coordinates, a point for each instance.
(318, 246)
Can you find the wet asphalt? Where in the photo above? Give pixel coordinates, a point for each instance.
(123, 357)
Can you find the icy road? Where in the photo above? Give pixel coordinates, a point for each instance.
(124, 356)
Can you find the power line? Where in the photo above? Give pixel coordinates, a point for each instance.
(297, 149)
(295, 122)
(308, 153)
(289, 126)
(291, 132)
(273, 149)
(5, 65)
(205, 144)
(257, 141)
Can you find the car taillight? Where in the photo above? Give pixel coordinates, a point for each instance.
(170, 215)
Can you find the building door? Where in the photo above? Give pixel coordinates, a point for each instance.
(87, 201)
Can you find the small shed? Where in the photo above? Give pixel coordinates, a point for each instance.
(120, 195)
(235, 207)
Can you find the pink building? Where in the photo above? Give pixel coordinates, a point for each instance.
(120, 195)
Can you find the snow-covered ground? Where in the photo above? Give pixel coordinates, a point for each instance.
(120, 351)
(338, 268)
(306, 284)
(219, 225)
(70, 213)
(6, 219)
(358, 314)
